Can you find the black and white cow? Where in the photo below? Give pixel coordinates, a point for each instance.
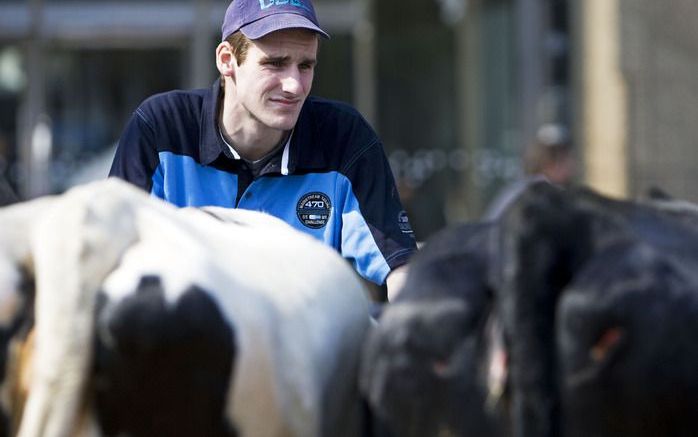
(594, 298)
(151, 320)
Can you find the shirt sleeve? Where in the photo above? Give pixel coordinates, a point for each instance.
(136, 157)
(373, 187)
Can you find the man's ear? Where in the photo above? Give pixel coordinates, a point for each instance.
(225, 60)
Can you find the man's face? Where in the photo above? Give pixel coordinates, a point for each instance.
(275, 78)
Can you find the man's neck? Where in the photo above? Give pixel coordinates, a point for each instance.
(248, 136)
(251, 146)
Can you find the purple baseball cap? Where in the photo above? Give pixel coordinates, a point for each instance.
(256, 18)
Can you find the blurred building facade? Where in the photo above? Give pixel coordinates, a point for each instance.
(457, 89)
(72, 71)
(637, 114)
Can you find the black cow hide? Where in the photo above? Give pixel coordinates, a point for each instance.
(590, 302)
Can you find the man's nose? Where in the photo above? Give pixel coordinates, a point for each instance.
(292, 83)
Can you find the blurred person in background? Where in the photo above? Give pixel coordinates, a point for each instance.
(256, 140)
(551, 155)
(550, 158)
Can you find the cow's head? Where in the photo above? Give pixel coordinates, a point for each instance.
(626, 346)
(422, 371)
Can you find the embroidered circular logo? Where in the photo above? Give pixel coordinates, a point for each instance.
(404, 223)
(313, 210)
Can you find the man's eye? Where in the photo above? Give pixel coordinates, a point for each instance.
(305, 66)
(275, 64)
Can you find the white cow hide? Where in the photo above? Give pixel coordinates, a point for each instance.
(298, 310)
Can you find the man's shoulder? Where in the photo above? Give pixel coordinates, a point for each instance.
(177, 112)
(333, 119)
(175, 101)
(174, 120)
(328, 108)
(336, 131)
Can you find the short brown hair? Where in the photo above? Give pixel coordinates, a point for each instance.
(240, 44)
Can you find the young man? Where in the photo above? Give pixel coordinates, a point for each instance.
(255, 140)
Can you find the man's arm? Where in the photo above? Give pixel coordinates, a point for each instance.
(395, 281)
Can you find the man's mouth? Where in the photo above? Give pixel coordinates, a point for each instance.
(288, 103)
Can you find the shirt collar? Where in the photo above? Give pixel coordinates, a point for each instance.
(210, 143)
(235, 153)
(277, 162)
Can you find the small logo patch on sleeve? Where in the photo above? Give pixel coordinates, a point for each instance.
(404, 223)
(313, 209)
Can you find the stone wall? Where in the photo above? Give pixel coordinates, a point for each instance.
(659, 59)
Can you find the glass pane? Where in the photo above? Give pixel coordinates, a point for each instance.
(417, 107)
(91, 94)
(12, 85)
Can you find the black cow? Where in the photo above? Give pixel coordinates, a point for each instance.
(626, 348)
(545, 264)
(547, 238)
(425, 365)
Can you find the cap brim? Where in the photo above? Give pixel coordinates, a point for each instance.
(272, 23)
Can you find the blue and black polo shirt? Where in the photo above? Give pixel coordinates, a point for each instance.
(331, 179)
